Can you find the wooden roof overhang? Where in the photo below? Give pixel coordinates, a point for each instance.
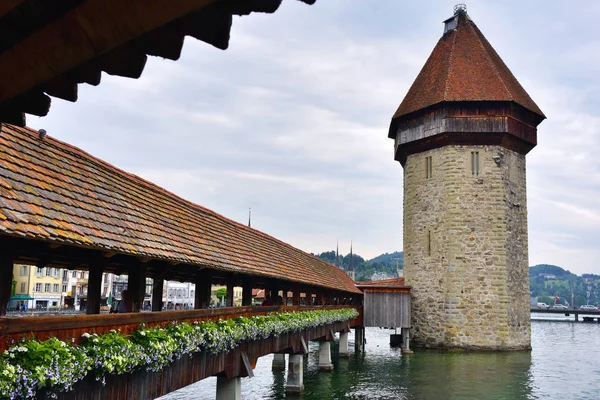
(48, 47)
(64, 207)
(384, 285)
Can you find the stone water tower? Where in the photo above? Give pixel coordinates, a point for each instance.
(461, 135)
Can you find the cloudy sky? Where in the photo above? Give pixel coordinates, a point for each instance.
(292, 120)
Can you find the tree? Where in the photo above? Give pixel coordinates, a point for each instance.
(221, 293)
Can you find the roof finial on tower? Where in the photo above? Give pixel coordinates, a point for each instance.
(460, 8)
(249, 217)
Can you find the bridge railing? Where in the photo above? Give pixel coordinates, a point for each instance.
(70, 328)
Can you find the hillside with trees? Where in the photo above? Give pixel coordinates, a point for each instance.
(380, 267)
(547, 281)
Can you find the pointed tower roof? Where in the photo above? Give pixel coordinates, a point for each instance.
(463, 67)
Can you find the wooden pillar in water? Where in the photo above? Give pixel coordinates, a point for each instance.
(359, 339)
(136, 285)
(229, 389)
(247, 292)
(325, 356)
(94, 288)
(343, 345)
(295, 378)
(203, 289)
(158, 285)
(278, 361)
(6, 278)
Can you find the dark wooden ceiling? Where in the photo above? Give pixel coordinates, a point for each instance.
(49, 47)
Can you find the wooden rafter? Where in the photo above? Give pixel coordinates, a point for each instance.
(86, 32)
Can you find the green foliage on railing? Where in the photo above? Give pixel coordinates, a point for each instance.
(54, 366)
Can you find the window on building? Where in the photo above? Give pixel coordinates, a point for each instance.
(38, 287)
(74, 274)
(474, 163)
(24, 270)
(46, 287)
(48, 271)
(64, 288)
(55, 288)
(428, 167)
(39, 271)
(22, 287)
(56, 272)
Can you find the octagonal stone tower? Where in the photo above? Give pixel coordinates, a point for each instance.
(461, 134)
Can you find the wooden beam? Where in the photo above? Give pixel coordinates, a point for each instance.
(136, 284)
(157, 293)
(89, 73)
(229, 295)
(212, 25)
(203, 288)
(86, 32)
(166, 42)
(94, 288)
(124, 61)
(247, 292)
(6, 278)
(8, 5)
(61, 87)
(12, 116)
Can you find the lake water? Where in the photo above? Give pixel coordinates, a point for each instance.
(563, 364)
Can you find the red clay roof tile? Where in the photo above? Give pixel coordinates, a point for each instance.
(55, 192)
(463, 66)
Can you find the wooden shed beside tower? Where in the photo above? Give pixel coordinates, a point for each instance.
(461, 135)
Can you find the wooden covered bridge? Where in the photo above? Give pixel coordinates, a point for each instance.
(62, 207)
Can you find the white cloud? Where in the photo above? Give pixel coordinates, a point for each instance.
(292, 120)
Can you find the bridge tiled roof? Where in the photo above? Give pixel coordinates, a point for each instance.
(54, 192)
(464, 66)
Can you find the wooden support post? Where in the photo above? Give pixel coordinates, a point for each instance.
(308, 298)
(203, 288)
(359, 339)
(6, 278)
(157, 293)
(229, 295)
(94, 288)
(136, 285)
(405, 341)
(247, 292)
(296, 295)
(320, 297)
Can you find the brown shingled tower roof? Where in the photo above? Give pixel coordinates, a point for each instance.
(53, 192)
(464, 67)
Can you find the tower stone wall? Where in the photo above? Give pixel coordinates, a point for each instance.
(465, 247)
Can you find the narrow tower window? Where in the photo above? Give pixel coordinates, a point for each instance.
(428, 167)
(474, 163)
(428, 243)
